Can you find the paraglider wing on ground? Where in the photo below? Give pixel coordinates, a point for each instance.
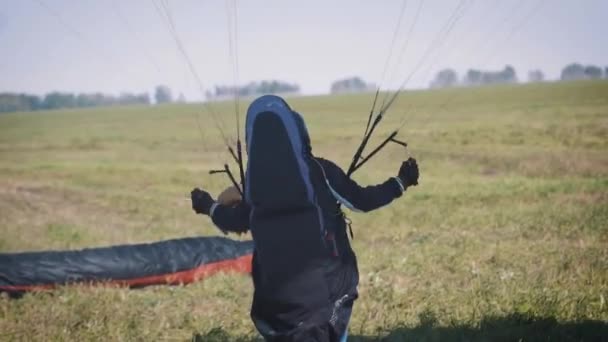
(171, 262)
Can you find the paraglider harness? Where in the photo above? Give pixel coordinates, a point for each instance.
(357, 161)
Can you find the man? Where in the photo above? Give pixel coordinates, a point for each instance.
(304, 271)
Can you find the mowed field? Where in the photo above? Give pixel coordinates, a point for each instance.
(505, 238)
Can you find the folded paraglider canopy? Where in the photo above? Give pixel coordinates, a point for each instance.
(170, 262)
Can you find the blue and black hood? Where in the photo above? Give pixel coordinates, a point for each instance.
(285, 221)
(279, 153)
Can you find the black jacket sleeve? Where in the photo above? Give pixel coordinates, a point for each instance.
(231, 219)
(355, 197)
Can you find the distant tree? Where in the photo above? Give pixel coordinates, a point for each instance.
(508, 75)
(90, 100)
(536, 76)
(593, 72)
(606, 72)
(574, 71)
(254, 88)
(162, 94)
(445, 78)
(143, 98)
(269, 87)
(473, 77)
(11, 102)
(32, 102)
(349, 85)
(265, 87)
(131, 99)
(56, 100)
(181, 98)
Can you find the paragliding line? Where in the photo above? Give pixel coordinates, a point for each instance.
(227, 171)
(386, 63)
(437, 41)
(390, 138)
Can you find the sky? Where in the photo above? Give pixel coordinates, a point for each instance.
(116, 46)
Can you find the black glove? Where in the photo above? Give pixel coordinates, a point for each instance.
(408, 173)
(201, 201)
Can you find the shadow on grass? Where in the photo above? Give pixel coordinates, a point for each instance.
(514, 327)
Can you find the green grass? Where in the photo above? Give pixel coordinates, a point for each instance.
(505, 238)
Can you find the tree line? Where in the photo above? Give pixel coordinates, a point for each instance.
(13, 102)
(447, 78)
(21, 102)
(473, 77)
(576, 71)
(254, 89)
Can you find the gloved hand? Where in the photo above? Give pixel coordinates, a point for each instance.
(201, 201)
(408, 173)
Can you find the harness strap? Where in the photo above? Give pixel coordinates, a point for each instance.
(339, 199)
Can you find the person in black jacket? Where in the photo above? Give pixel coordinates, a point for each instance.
(304, 270)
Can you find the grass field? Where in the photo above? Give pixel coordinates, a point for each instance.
(505, 238)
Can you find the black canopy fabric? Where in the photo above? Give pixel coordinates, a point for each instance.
(179, 261)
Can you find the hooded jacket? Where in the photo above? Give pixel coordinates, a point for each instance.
(304, 270)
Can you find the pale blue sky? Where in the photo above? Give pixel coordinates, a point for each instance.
(89, 47)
